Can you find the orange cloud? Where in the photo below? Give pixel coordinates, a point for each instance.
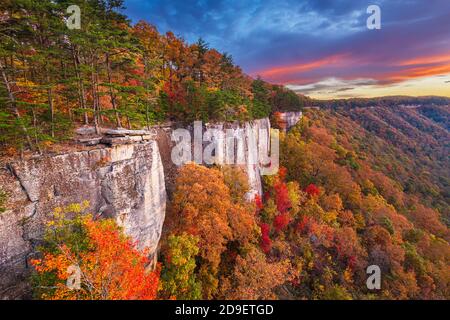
(419, 67)
(386, 74)
(427, 60)
(301, 67)
(413, 73)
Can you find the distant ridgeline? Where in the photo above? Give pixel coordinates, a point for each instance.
(389, 101)
(111, 73)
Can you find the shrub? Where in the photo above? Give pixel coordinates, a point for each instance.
(3, 198)
(178, 278)
(105, 261)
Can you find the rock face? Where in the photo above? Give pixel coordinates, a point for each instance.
(125, 182)
(290, 119)
(253, 169)
(251, 141)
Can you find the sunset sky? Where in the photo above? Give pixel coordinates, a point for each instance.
(321, 48)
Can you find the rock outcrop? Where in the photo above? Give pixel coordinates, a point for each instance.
(122, 177)
(252, 139)
(124, 182)
(251, 131)
(290, 119)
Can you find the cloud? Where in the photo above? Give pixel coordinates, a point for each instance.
(301, 67)
(331, 85)
(333, 88)
(427, 60)
(300, 42)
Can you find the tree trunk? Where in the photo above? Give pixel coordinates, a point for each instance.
(147, 103)
(52, 111)
(147, 119)
(36, 138)
(94, 94)
(76, 60)
(50, 102)
(13, 106)
(128, 122)
(111, 91)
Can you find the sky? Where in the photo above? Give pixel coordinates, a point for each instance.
(321, 48)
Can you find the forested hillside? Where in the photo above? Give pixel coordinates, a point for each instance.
(375, 191)
(360, 187)
(362, 181)
(388, 101)
(112, 73)
(409, 145)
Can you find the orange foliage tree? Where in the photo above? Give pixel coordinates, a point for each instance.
(254, 277)
(106, 262)
(209, 203)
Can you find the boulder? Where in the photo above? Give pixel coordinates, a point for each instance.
(90, 141)
(85, 131)
(125, 132)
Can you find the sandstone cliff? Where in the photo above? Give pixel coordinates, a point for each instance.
(126, 182)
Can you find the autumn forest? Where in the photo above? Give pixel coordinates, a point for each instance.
(361, 181)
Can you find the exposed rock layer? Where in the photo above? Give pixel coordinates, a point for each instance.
(126, 182)
(290, 119)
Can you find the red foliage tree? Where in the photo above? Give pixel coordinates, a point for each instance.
(266, 242)
(312, 190)
(282, 172)
(282, 197)
(175, 93)
(258, 203)
(281, 221)
(302, 225)
(111, 268)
